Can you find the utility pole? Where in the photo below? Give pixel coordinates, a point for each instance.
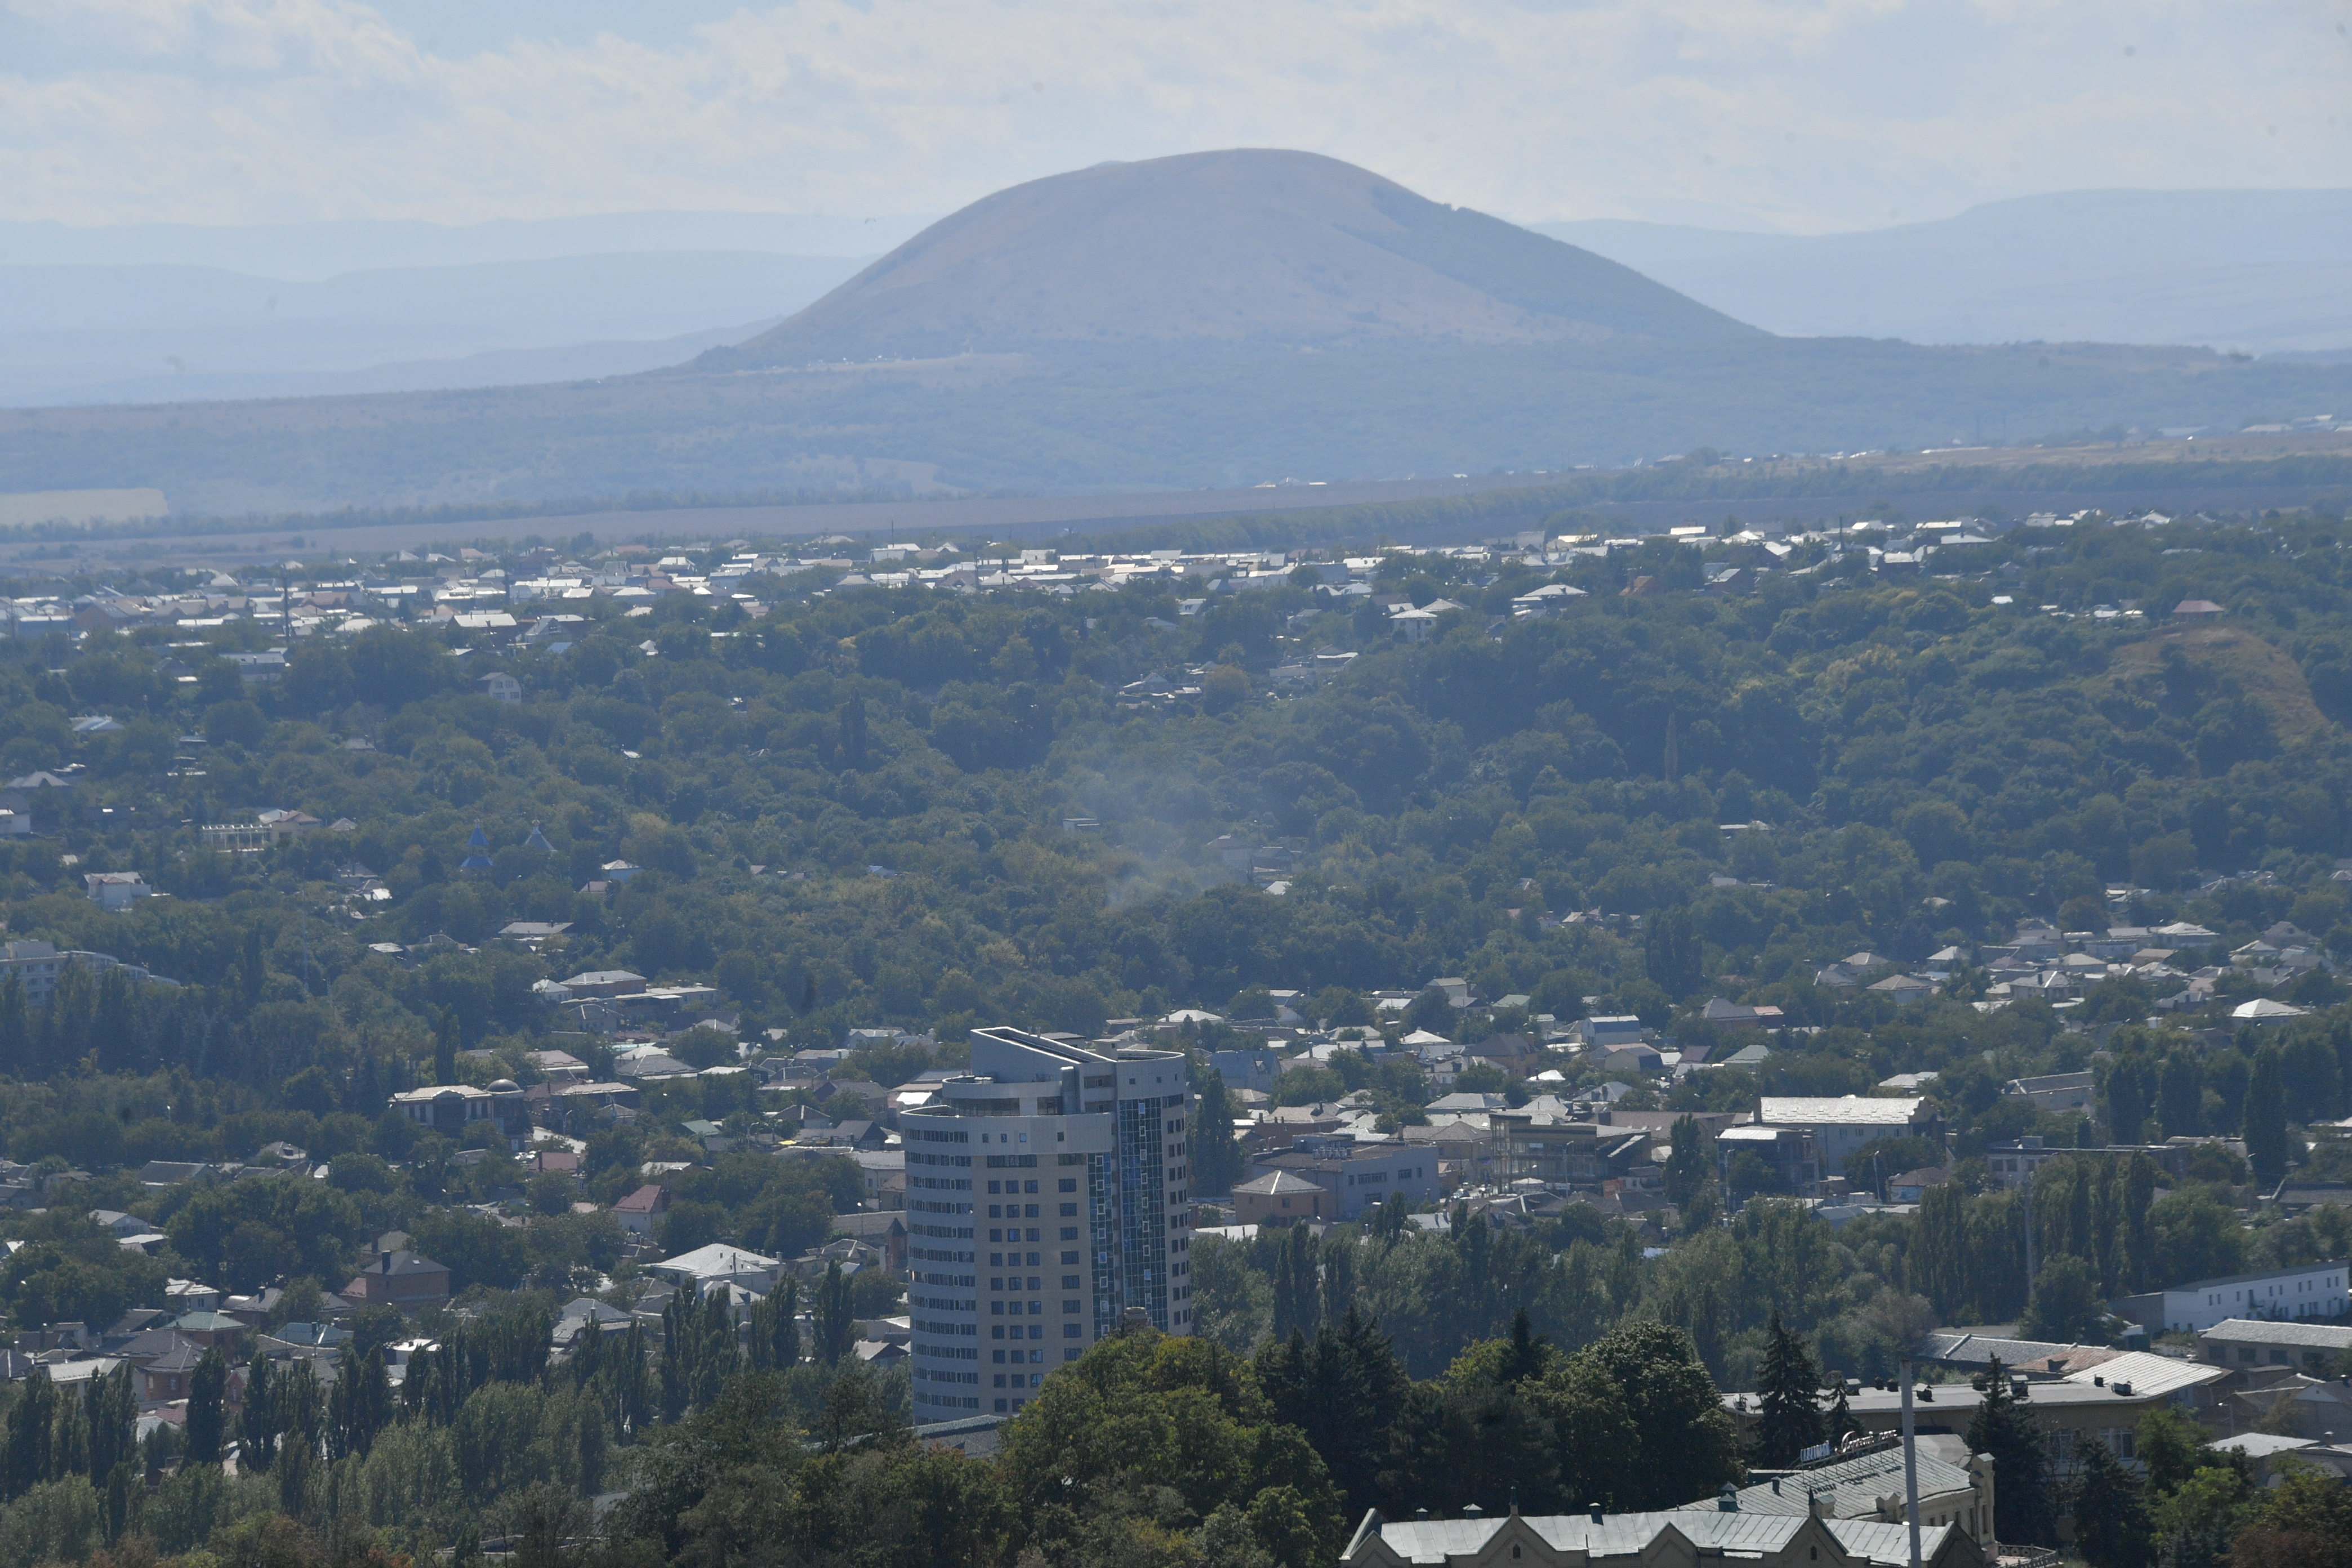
(1910, 1461)
(2029, 1240)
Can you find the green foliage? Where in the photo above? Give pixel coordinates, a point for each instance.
(1788, 1387)
(2111, 1519)
(2023, 1508)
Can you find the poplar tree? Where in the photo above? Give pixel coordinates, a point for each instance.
(2266, 1126)
(207, 1394)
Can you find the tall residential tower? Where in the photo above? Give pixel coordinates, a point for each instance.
(1045, 1199)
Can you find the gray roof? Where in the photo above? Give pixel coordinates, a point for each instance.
(2262, 1331)
(1806, 1110)
(1961, 1347)
(1631, 1535)
(1855, 1484)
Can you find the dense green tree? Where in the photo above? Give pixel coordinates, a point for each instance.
(2001, 1427)
(2265, 1124)
(830, 1319)
(2111, 1519)
(1788, 1388)
(207, 1391)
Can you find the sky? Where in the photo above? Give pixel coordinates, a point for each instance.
(1803, 115)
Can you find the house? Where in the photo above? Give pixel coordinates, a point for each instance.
(500, 687)
(640, 1209)
(404, 1279)
(451, 1108)
(2318, 1291)
(1726, 1015)
(2196, 609)
(166, 1377)
(1912, 1186)
(1904, 990)
(210, 1330)
(1279, 1197)
(1606, 1034)
(115, 889)
(718, 1264)
(1680, 1538)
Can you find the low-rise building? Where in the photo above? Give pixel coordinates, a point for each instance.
(1840, 1126)
(451, 1108)
(1358, 1174)
(1281, 1198)
(115, 889)
(2243, 1345)
(2317, 1291)
(2055, 1091)
(404, 1279)
(639, 1212)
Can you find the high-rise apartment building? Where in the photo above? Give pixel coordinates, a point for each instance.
(1045, 1199)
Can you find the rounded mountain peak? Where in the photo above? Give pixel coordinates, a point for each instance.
(1244, 247)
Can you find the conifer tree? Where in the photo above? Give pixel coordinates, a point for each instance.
(2111, 1518)
(1787, 1393)
(2005, 1429)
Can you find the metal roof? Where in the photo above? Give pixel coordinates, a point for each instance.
(1631, 1535)
(2263, 1332)
(1803, 1110)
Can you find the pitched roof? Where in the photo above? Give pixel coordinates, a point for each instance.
(1279, 1183)
(1631, 1536)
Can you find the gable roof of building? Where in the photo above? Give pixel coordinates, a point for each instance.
(1634, 1536)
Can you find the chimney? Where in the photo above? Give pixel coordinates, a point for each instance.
(1728, 1499)
(1595, 1509)
(1472, 1512)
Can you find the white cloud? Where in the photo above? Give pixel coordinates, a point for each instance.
(1809, 113)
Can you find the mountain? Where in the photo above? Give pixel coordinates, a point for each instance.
(2256, 271)
(1146, 326)
(1247, 247)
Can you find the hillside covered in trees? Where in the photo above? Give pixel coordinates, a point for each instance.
(869, 808)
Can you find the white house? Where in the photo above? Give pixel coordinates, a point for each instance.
(2315, 1290)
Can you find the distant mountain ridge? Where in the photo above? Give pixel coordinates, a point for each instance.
(1247, 247)
(2260, 271)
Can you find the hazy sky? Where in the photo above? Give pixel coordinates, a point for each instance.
(1806, 114)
